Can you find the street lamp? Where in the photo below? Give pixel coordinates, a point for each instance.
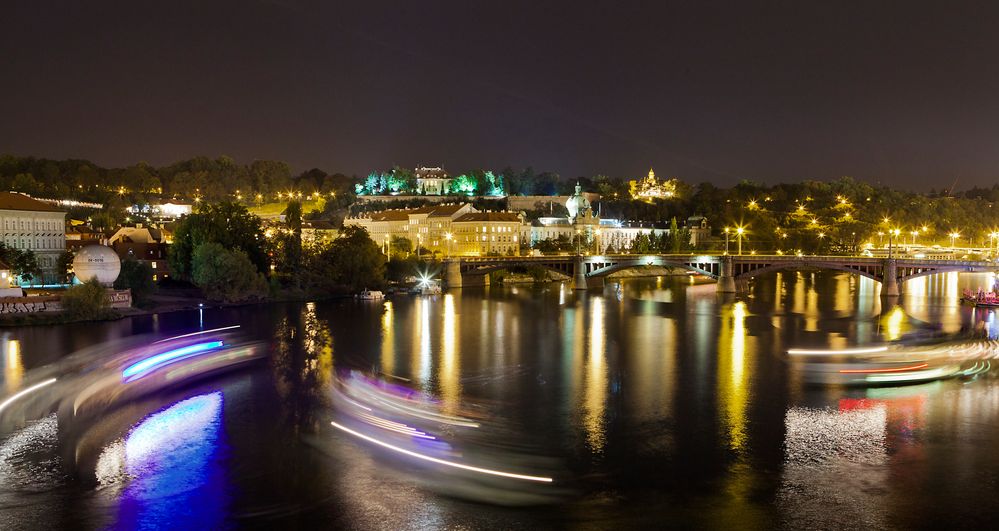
(596, 241)
(726, 240)
(914, 234)
(739, 231)
(578, 232)
(954, 236)
(447, 237)
(891, 233)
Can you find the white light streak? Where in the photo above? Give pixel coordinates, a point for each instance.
(843, 352)
(197, 333)
(21, 393)
(441, 461)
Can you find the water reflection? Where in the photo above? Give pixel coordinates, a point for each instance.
(595, 392)
(733, 391)
(13, 368)
(166, 470)
(449, 375)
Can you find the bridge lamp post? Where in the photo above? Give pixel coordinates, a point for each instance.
(953, 237)
(726, 240)
(596, 241)
(994, 237)
(914, 234)
(448, 237)
(739, 231)
(578, 232)
(892, 233)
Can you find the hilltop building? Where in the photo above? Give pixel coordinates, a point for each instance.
(431, 181)
(652, 188)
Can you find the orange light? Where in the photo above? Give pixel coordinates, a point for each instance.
(900, 369)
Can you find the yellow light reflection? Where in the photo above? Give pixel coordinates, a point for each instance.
(732, 373)
(422, 338)
(388, 339)
(13, 371)
(893, 323)
(595, 390)
(450, 373)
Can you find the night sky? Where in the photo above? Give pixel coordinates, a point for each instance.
(890, 93)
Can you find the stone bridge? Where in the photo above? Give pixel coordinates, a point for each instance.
(590, 271)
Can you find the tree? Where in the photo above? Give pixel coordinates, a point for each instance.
(138, 277)
(291, 242)
(87, 301)
(228, 224)
(355, 261)
(226, 274)
(64, 265)
(23, 263)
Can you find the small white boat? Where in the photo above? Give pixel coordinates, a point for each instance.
(431, 287)
(370, 295)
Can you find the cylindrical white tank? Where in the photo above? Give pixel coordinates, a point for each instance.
(97, 261)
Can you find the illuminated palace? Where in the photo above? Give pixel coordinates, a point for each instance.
(461, 230)
(450, 229)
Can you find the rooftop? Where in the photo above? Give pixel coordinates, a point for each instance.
(16, 201)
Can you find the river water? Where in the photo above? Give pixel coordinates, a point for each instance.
(658, 401)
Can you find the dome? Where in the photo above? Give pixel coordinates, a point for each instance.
(577, 204)
(98, 261)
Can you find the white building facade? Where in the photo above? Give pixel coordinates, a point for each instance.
(31, 225)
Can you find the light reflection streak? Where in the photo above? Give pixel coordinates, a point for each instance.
(388, 339)
(732, 373)
(13, 370)
(595, 402)
(449, 376)
(441, 461)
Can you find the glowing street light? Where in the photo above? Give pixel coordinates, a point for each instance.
(892, 233)
(726, 239)
(739, 231)
(954, 236)
(447, 237)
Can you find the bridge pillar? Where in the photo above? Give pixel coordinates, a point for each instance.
(726, 280)
(452, 273)
(579, 274)
(889, 279)
(475, 280)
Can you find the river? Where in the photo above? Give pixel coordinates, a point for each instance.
(658, 401)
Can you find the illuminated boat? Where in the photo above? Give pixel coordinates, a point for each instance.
(893, 365)
(370, 295)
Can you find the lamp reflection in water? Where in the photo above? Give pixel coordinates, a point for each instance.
(595, 391)
(388, 339)
(167, 469)
(732, 377)
(13, 369)
(450, 377)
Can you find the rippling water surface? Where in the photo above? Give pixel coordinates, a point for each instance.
(652, 402)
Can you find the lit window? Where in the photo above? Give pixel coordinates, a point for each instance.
(154, 266)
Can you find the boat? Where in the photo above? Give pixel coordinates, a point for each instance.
(982, 299)
(427, 286)
(370, 295)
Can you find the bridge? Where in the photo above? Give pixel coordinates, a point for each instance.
(729, 270)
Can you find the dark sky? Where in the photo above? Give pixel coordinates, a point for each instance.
(886, 92)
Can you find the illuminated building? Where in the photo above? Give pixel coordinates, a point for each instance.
(146, 245)
(31, 225)
(652, 188)
(431, 181)
(445, 229)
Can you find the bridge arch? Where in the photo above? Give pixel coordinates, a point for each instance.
(868, 272)
(631, 264)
